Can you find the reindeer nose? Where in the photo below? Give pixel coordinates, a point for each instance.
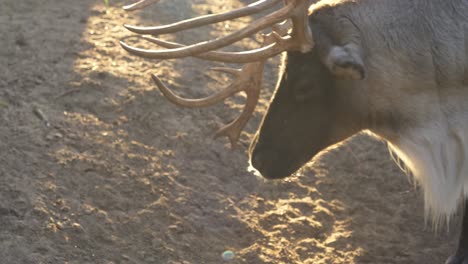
(264, 161)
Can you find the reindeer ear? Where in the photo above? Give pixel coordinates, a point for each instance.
(345, 62)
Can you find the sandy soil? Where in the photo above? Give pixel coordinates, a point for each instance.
(97, 167)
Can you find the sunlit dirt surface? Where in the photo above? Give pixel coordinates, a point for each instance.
(97, 167)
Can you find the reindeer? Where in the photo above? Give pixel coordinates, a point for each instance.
(396, 68)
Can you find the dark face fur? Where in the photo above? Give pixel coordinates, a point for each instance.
(308, 113)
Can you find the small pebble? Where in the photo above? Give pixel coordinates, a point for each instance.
(228, 255)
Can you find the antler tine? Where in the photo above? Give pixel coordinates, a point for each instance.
(249, 80)
(202, 47)
(140, 4)
(253, 86)
(235, 87)
(252, 74)
(220, 56)
(301, 39)
(231, 131)
(205, 20)
(262, 53)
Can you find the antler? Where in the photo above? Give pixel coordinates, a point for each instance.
(140, 4)
(249, 78)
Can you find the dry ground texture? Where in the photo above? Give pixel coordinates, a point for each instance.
(97, 167)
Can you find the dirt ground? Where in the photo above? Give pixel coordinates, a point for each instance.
(97, 167)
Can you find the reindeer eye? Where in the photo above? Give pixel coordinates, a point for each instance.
(307, 91)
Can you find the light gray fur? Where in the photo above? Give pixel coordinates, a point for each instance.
(415, 93)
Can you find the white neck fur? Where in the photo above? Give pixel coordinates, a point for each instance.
(436, 156)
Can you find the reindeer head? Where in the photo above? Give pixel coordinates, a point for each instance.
(311, 108)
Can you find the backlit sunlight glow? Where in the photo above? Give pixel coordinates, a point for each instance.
(136, 174)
